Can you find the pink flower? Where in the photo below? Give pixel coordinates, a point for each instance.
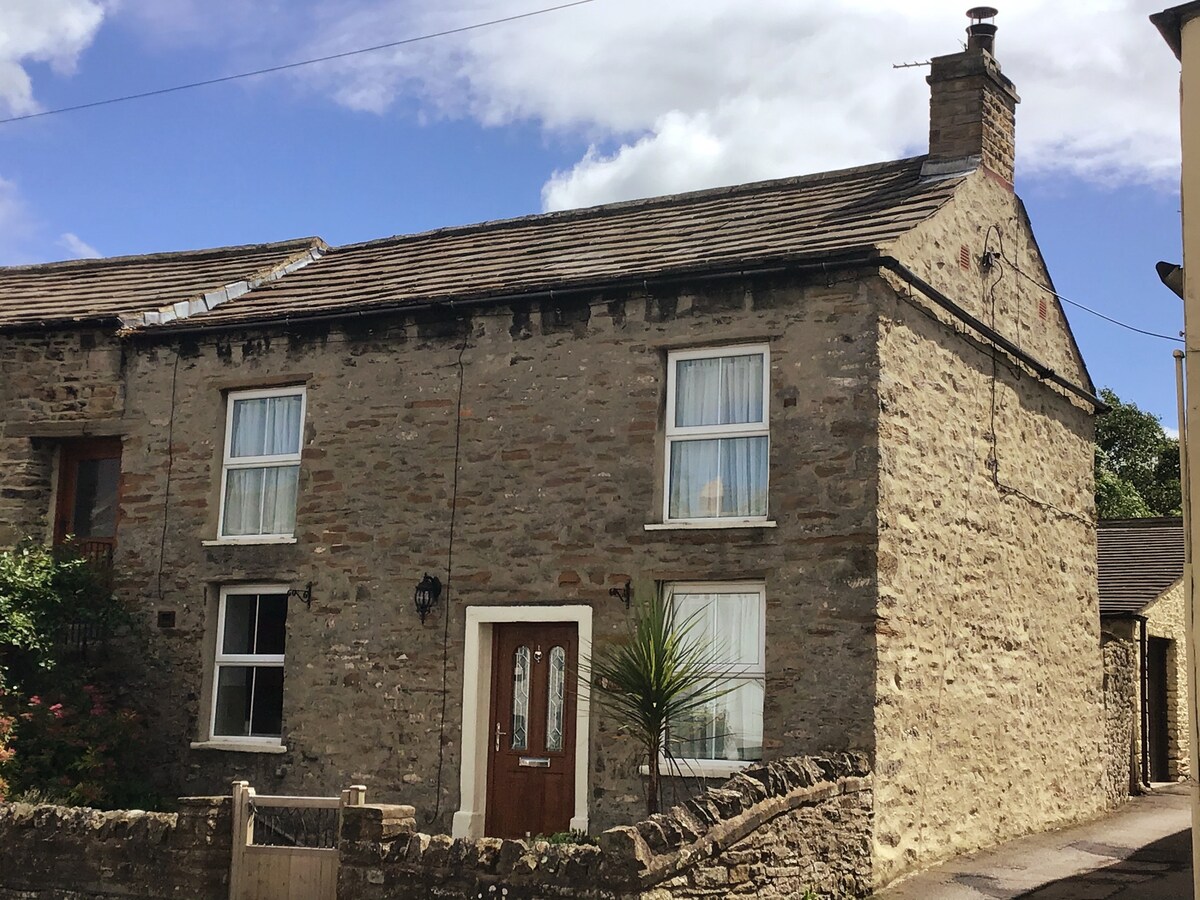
(57, 709)
(35, 700)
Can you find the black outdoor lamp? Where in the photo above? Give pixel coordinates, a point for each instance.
(425, 597)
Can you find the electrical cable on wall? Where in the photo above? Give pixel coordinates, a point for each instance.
(437, 803)
(162, 540)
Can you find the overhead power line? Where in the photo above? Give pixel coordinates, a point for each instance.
(292, 65)
(1088, 309)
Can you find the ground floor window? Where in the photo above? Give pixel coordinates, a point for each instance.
(248, 674)
(730, 617)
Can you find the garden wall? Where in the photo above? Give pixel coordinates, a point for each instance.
(772, 831)
(69, 853)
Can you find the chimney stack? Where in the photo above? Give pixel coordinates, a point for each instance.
(972, 106)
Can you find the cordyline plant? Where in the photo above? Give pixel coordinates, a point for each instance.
(662, 671)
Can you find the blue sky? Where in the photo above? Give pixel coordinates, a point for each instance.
(613, 99)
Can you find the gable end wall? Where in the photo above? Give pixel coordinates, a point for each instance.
(989, 709)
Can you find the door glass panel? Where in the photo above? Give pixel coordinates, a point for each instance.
(520, 707)
(95, 510)
(554, 711)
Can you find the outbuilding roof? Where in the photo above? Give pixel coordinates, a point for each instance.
(1137, 559)
(98, 290)
(810, 217)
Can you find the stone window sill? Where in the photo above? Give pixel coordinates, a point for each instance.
(698, 768)
(250, 542)
(240, 746)
(710, 524)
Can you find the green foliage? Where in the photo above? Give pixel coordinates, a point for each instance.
(574, 836)
(660, 672)
(1137, 464)
(42, 590)
(64, 737)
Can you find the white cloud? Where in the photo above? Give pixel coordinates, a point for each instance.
(52, 32)
(677, 94)
(77, 247)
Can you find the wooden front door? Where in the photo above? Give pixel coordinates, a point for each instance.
(531, 741)
(88, 491)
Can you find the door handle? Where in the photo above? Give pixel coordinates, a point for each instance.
(498, 733)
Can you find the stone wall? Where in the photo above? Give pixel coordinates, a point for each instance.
(773, 831)
(561, 470)
(988, 713)
(1165, 619)
(66, 853)
(1120, 649)
(52, 385)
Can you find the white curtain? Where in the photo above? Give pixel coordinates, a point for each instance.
(267, 426)
(731, 726)
(262, 500)
(723, 390)
(714, 477)
(719, 477)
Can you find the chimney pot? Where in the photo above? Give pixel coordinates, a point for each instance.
(972, 105)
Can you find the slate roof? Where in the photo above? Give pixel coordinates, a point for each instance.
(809, 217)
(1137, 559)
(86, 290)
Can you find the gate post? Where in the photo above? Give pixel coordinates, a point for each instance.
(242, 835)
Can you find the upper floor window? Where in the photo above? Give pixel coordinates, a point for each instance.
(262, 463)
(717, 434)
(89, 482)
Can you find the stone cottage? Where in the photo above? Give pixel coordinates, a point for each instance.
(1140, 568)
(840, 417)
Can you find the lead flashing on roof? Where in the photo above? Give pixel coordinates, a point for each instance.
(185, 309)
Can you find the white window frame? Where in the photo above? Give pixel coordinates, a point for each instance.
(720, 768)
(676, 433)
(257, 462)
(258, 660)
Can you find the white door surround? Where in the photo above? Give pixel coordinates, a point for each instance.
(477, 693)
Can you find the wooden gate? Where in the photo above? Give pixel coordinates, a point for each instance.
(285, 848)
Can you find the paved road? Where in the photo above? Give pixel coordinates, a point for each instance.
(1140, 852)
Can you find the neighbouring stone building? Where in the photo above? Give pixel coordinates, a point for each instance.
(824, 412)
(1142, 608)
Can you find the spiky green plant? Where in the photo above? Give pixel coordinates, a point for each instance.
(660, 671)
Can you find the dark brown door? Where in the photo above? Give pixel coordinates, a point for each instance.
(1156, 709)
(531, 742)
(88, 491)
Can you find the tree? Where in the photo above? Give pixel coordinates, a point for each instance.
(1137, 463)
(662, 671)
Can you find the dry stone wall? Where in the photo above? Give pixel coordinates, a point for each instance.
(68, 853)
(772, 831)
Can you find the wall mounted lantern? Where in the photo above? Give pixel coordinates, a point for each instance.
(425, 597)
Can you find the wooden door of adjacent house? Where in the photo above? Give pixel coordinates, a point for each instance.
(1158, 734)
(531, 741)
(88, 492)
